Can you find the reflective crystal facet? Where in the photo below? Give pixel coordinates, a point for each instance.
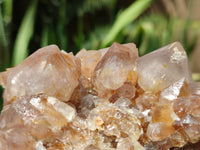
(163, 67)
(46, 71)
(101, 100)
(115, 67)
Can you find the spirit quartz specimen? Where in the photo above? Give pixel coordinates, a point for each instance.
(100, 100)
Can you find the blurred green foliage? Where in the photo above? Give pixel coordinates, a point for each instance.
(24, 34)
(93, 24)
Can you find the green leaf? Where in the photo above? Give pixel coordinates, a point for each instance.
(24, 34)
(4, 54)
(61, 25)
(80, 36)
(44, 38)
(8, 4)
(2, 31)
(126, 17)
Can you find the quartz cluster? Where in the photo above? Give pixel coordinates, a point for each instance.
(100, 100)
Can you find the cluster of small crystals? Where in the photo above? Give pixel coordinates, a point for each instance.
(100, 100)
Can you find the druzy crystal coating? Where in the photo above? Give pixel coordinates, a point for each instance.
(100, 100)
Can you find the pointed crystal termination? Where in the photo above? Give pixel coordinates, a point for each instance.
(115, 68)
(89, 60)
(100, 100)
(46, 71)
(161, 68)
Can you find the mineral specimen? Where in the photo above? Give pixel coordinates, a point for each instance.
(46, 71)
(100, 100)
(161, 68)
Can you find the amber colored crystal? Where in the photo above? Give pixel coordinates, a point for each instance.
(163, 67)
(159, 131)
(163, 113)
(114, 68)
(146, 101)
(109, 99)
(89, 60)
(46, 71)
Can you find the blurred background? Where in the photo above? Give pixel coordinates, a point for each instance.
(26, 26)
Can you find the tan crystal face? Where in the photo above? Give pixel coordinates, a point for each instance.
(109, 99)
(163, 67)
(46, 71)
(114, 68)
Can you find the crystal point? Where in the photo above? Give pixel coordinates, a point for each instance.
(45, 71)
(159, 69)
(109, 99)
(114, 68)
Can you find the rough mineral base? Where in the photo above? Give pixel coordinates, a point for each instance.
(109, 99)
